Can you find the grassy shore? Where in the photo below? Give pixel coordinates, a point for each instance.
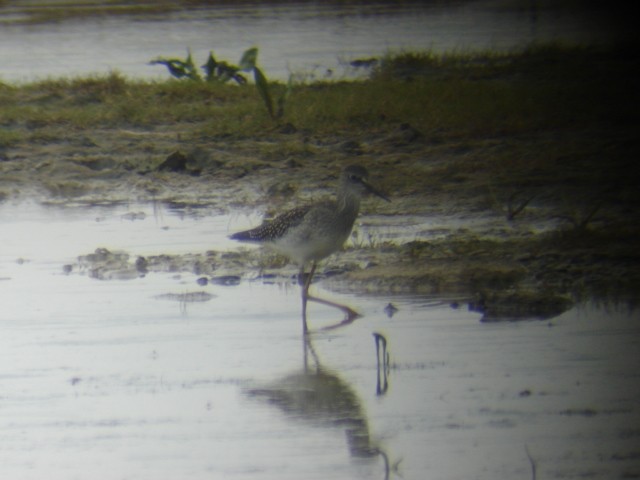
(452, 96)
(548, 115)
(549, 134)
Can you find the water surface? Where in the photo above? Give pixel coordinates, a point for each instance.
(311, 40)
(103, 379)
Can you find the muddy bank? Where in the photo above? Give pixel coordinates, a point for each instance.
(503, 279)
(526, 242)
(515, 224)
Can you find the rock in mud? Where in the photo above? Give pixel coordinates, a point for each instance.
(176, 162)
(520, 305)
(226, 280)
(106, 265)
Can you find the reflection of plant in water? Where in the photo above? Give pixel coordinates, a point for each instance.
(321, 397)
(222, 72)
(382, 363)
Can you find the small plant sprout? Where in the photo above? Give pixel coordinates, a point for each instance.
(515, 205)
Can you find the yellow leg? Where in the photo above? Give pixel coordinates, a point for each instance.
(305, 294)
(350, 315)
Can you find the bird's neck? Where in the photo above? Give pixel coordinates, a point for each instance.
(348, 204)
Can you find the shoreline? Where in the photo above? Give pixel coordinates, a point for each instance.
(563, 165)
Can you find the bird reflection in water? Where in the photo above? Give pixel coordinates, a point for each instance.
(319, 396)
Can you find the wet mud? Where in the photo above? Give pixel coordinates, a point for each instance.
(482, 221)
(127, 333)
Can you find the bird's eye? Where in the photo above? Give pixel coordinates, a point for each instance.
(354, 178)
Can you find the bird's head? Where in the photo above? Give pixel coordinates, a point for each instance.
(357, 177)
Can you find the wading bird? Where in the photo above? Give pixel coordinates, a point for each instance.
(312, 232)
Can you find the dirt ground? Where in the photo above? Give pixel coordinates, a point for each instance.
(541, 221)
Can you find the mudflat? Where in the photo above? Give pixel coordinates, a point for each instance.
(540, 201)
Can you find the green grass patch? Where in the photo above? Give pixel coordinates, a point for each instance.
(463, 95)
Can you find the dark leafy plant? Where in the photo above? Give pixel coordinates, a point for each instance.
(222, 72)
(248, 63)
(179, 68)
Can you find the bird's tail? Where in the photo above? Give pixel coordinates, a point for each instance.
(245, 236)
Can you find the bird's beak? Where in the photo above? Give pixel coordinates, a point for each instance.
(370, 188)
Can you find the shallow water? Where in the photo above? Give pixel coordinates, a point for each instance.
(313, 40)
(103, 379)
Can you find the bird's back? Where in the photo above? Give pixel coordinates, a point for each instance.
(306, 233)
(272, 230)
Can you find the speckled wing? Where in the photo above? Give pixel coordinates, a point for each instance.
(274, 229)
